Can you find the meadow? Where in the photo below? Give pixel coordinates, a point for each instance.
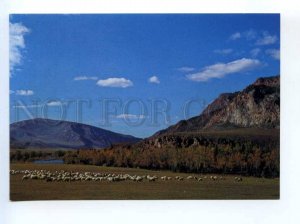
(225, 188)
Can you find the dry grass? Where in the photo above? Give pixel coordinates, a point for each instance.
(249, 188)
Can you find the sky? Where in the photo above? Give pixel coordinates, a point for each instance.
(135, 74)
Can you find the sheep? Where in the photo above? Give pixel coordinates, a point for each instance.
(163, 178)
(88, 178)
(179, 178)
(213, 178)
(70, 176)
(150, 179)
(132, 178)
(33, 177)
(110, 179)
(41, 176)
(238, 179)
(138, 179)
(25, 177)
(66, 179)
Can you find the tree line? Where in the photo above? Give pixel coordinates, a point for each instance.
(201, 159)
(228, 157)
(32, 155)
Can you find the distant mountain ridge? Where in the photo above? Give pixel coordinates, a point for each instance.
(47, 133)
(257, 106)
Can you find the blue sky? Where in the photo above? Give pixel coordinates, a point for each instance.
(132, 61)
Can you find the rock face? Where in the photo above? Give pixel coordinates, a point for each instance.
(46, 133)
(257, 106)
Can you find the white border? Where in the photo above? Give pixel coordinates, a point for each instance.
(284, 210)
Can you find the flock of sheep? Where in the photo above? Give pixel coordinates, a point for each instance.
(69, 176)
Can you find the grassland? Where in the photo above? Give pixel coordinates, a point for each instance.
(249, 188)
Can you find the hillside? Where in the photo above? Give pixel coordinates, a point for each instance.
(257, 106)
(46, 133)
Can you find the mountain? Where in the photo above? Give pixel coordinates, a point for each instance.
(46, 133)
(257, 106)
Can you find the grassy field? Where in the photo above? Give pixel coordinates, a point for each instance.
(249, 188)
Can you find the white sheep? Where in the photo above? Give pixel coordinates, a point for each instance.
(238, 179)
(164, 178)
(150, 179)
(26, 177)
(138, 179)
(179, 178)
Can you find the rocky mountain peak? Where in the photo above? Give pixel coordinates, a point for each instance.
(257, 106)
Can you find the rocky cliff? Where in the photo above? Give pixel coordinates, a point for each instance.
(257, 106)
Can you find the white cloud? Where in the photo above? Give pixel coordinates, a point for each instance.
(55, 103)
(115, 82)
(262, 37)
(22, 92)
(220, 70)
(274, 53)
(186, 69)
(266, 39)
(50, 104)
(17, 32)
(81, 78)
(255, 52)
(250, 34)
(154, 79)
(223, 51)
(235, 36)
(130, 116)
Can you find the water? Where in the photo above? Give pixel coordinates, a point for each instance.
(49, 161)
